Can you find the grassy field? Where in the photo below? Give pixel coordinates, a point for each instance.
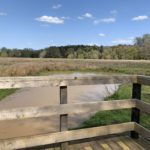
(46, 66)
(28, 66)
(119, 116)
(6, 92)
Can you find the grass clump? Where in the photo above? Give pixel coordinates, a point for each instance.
(124, 92)
(107, 118)
(5, 92)
(119, 116)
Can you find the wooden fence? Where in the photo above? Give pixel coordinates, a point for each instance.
(65, 135)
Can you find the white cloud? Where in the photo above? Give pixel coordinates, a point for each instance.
(105, 20)
(140, 18)
(102, 34)
(57, 6)
(123, 41)
(88, 15)
(50, 19)
(3, 14)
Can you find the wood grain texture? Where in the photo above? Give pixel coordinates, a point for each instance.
(145, 80)
(33, 81)
(39, 140)
(143, 106)
(63, 109)
(142, 131)
(131, 143)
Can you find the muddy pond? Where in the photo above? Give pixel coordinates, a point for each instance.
(44, 96)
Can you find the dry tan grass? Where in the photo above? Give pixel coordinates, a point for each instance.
(30, 66)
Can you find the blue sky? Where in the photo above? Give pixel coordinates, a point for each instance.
(42, 23)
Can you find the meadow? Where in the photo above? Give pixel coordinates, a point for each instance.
(46, 66)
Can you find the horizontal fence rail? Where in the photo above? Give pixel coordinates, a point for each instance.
(76, 108)
(51, 138)
(144, 107)
(21, 82)
(145, 80)
(142, 131)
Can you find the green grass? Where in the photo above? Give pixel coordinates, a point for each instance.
(101, 70)
(5, 92)
(124, 92)
(119, 116)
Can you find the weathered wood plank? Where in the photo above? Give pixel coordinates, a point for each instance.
(143, 106)
(21, 82)
(143, 80)
(63, 117)
(131, 143)
(105, 146)
(76, 108)
(88, 148)
(123, 145)
(76, 147)
(95, 145)
(143, 131)
(143, 143)
(112, 143)
(39, 140)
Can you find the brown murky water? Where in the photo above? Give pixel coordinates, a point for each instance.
(48, 96)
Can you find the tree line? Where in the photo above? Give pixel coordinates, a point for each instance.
(140, 50)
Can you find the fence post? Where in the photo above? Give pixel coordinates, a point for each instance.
(63, 118)
(135, 114)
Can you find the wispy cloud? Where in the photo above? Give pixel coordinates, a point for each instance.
(50, 19)
(105, 20)
(86, 15)
(57, 6)
(108, 20)
(129, 40)
(102, 34)
(3, 14)
(65, 18)
(140, 18)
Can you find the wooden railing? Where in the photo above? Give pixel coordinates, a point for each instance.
(64, 136)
